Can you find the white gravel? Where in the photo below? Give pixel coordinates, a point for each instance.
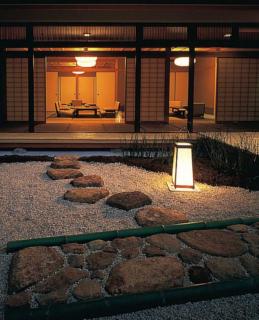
(32, 206)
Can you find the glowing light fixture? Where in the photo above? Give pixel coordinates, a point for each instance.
(182, 61)
(86, 62)
(228, 35)
(87, 34)
(182, 172)
(78, 72)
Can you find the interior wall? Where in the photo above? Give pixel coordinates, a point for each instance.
(179, 85)
(120, 81)
(205, 83)
(51, 91)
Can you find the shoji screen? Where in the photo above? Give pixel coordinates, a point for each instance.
(238, 89)
(17, 89)
(130, 90)
(152, 89)
(39, 90)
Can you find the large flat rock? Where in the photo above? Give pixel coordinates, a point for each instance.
(87, 289)
(88, 181)
(100, 260)
(225, 268)
(31, 265)
(165, 241)
(251, 264)
(143, 275)
(215, 242)
(58, 174)
(65, 164)
(129, 200)
(91, 195)
(156, 216)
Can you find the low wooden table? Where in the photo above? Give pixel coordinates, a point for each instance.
(179, 111)
(95, 109)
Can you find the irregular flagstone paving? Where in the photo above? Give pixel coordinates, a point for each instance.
(41, 276)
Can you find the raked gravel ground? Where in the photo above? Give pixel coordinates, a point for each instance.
(31, 205)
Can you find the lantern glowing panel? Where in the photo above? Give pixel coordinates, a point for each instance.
(182, 172)
(182, 61)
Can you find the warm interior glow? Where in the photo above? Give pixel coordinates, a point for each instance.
(86, 62)
(182, 61)
(182, 175)
(87, 34)
(78, 72)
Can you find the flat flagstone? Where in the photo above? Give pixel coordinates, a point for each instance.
(225, 268)
(251, 238)
(19, 299)
(87, 289)
(251, 264)
(125, 243)
(100, 260)
(165, 241)
(152, 251)
(86, 195)
(215, 242)
(189, 255)
(76, 248)
(128, 200)
(62, 279)
(53, 297)
(241, 228)
(65, 164)
(31, 265)
(155, 216)
(88, 181)
(58, 174)
(142, 275)
(76, 260)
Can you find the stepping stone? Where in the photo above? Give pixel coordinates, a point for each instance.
(61, 280)
(87, 289)
(254, 250)
(86, 195)
(156, 216)
(88, 181)
(65, 164)
(146, 274)
(199, 274)
(100, 260)
(251, 264)
(30, 265)
(57, 296)
(58, 174)
(19, 299)
(240, 228)
(189, 255)
(225, 269)
(65, 157)
(130, 253)
(128, 200)
(215, 242)
(165, 241)
(125, 243)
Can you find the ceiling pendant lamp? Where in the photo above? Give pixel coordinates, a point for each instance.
(78, 72)
(182, 61)
(86, 62)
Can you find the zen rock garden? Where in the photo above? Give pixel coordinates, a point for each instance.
(41, 276)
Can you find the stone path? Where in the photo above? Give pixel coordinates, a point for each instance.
(73, 272)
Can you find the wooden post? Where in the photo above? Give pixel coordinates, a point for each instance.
(190, 90)
(30, 77)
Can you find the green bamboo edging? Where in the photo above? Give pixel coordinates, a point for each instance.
(138, 232)
(133, 302)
